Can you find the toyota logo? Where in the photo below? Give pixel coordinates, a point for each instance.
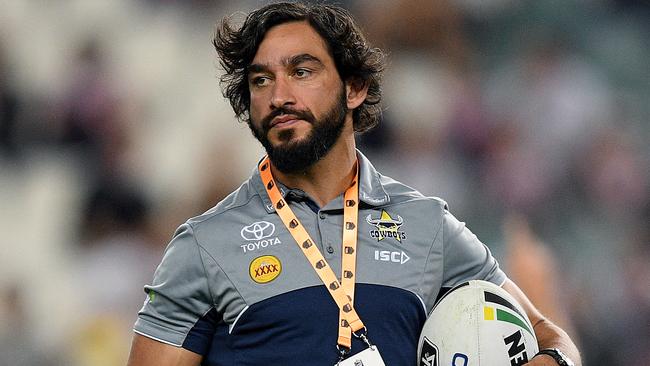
(258, 230)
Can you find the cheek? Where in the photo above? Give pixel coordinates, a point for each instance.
(256, 107)
(316, 98)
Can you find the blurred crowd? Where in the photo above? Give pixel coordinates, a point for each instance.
(530, 118)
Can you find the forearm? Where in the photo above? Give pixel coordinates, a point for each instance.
(550, 335)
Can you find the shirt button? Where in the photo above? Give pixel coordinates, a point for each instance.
(330, 250)
(322, 215)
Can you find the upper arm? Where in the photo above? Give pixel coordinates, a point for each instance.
(179, 297)
(148, 352)
(465, 256)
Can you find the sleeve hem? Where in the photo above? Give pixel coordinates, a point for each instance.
(503, 281)
(158, 333)
(156, 339)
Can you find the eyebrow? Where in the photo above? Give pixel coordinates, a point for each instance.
(291, 61)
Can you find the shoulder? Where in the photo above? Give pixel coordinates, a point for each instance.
(400, 193)
(240, 205)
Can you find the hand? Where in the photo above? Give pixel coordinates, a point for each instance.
(542, 360)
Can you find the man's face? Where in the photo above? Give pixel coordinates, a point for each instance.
(298, 101)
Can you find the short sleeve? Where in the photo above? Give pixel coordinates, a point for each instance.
(179, 295)
(465, 256)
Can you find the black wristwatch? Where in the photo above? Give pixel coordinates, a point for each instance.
(557, 355)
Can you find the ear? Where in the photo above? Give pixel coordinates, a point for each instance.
(356, 91)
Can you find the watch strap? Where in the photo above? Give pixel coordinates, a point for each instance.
(557, 355)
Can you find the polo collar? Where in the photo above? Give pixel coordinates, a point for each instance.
(371, 191)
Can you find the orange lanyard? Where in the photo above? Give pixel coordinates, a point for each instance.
(342, 292)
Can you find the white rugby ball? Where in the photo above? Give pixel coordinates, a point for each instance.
(477, 323)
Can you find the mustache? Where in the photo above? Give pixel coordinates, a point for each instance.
(304, 115)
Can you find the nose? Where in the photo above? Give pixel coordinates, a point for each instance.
(282, 93)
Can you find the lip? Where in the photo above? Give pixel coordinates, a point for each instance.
(284, 120)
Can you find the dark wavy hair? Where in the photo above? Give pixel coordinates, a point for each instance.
(354, 58)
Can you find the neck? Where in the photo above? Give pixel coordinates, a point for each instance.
(330, 176)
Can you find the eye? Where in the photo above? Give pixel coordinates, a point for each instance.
(259, 81)
(302, 73)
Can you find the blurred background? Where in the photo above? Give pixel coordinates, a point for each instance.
(531, 118)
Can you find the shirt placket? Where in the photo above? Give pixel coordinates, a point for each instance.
(330, 229)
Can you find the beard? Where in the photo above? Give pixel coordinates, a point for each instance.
(292, 157)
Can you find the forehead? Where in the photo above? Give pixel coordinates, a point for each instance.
(290, 39)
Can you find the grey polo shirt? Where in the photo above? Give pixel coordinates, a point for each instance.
(234, 287)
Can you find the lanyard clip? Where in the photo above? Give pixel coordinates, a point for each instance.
(363, 335)
(343, 352)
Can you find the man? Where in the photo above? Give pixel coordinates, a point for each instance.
(317, 254)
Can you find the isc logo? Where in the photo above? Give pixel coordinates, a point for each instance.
(388, 256)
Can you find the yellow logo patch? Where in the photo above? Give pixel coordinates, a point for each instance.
(265, 269)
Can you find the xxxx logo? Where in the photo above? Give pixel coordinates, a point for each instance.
(265, 269)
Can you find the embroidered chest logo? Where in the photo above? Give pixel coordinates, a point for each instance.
(258, 235)
(386, 227)
(265, 269)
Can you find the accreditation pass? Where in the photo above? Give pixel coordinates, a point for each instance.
(368, 357)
